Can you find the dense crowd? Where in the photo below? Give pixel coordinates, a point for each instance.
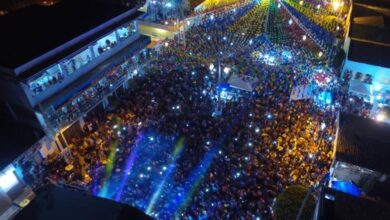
(160, 150)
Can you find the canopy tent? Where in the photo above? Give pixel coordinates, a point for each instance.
(245, 83)
(360, 87)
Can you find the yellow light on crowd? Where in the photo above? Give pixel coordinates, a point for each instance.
(336, 5)
(301, 2)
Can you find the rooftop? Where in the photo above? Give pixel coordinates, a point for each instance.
(365, 52)
(32, 31)
(344, 206)
(370, 32)
(15, 139)
(64, 204)
(363, 142)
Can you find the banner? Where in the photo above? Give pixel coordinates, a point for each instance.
(301, 92)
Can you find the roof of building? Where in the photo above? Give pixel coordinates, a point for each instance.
(370, 32)
(15, 139)
(32, 31)
(374, 54)
(63, 204)
(363, 142)
(336, 205)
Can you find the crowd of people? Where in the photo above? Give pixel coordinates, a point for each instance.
(160, 149)
(326, 15)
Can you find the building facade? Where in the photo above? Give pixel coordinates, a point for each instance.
(54, 71)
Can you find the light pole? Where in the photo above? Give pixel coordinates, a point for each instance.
(226, 70)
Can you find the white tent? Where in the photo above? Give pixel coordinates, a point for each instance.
(360, 87)
(246, 83)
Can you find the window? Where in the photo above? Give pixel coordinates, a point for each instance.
(126, 31)
(104, 44)
(76, 62)
(45, 79)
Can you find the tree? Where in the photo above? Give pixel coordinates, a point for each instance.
(289, 202)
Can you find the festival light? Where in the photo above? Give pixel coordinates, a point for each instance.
(211, 67)
(226, 70)
(257, 130)
(8, 179)
(304, 37)
(169, 5)
(300, 2)
(212, 17)
(166, 44)
(336, 5)
(318, 6)
(377, 87)
(290, 21)
(323, 126)
(159, 189)
(320, 54)
(380, 117)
